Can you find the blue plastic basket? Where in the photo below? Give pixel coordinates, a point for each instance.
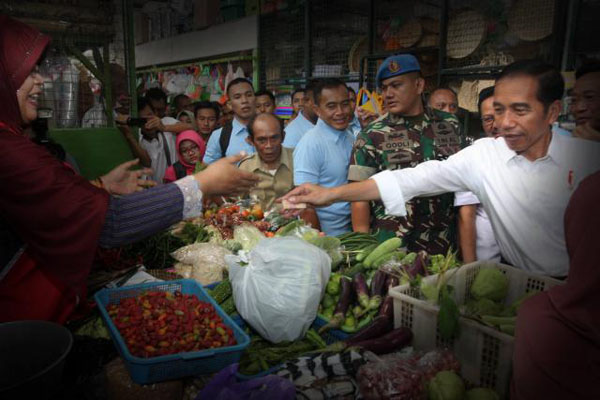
(173, 366)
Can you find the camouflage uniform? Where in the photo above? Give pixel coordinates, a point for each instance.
(396, 142)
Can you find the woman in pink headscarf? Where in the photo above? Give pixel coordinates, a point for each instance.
(190, 151)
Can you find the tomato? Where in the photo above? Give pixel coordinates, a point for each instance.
(245, 213)
(270, 234)
(158, 323)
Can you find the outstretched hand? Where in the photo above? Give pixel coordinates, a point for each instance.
(309, 193)
(123, 180)
(223, 177)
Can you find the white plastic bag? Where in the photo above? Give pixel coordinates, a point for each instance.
(207, 261)
(279, 291)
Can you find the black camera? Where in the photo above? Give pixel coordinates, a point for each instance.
(136, 121)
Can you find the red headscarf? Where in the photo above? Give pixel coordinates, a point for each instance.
(57, 214)
(20, 49)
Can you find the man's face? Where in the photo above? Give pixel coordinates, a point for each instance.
(267, 139)
(309, 106)
(184, 103)
(402, 93)
(487, 117)
(586, 100)
(352, 98)
(298, 102)
(264, 104)
(206, 120)
(444, 100)
(519, 116)
(352, 101)
(242, 101)
(160, 107)
(334, 107)
(147, 112)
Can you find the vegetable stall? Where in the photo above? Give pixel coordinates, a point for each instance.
(254, 296)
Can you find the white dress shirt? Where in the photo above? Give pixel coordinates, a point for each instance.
(525, 200)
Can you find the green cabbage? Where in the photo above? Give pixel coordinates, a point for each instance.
(490, 283)
(446, 385)
(483, 307)
(248, 236)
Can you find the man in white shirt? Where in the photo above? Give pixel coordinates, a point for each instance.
(475, 234)
(524, 179)
(155, 148)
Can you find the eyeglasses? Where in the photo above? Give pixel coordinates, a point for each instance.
(275, 139)
(487, 119)
(190, 149)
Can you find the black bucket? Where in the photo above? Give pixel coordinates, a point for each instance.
(32, 357)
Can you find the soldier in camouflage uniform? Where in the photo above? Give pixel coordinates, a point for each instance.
(396, 141)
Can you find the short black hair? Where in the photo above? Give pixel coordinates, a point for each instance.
(143, 102)
(265, 93)
(296, 91)
(443, 88)
(484, 95)
(550, 82)
(210, 105)
(177, 98)
(250, 125)
(587, 68)
(237, 81)
(325, 83)
(156, 94)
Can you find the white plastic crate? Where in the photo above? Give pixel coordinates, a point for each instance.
(485, 354)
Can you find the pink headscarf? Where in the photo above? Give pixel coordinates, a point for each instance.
(192, 136)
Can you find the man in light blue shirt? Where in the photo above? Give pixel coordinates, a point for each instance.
(243, 104)
(305, 121)
(323, 154)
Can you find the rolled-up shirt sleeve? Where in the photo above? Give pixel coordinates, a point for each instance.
(133, 217)
(457, 173)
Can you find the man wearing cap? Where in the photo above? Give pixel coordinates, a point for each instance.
(409, 134)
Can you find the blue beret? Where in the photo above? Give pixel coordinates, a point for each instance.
(397, 65)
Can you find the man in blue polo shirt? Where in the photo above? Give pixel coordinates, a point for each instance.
(231, 138)
(305, 121)
(323, 154)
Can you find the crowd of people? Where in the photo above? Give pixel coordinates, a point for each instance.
(409, 173)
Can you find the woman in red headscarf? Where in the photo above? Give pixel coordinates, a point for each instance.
(52, 220)
(557, 340)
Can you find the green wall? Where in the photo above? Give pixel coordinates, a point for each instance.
(96, 150)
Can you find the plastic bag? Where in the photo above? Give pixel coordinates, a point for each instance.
(224, 386)
(279, 291)
(402, 375)
(207, 261)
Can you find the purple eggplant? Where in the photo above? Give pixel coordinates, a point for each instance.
(339, 314)
(387, 309)
(418, 266)
(392, 281)
(377, 289)
(362, 291)
(392, 341)
(378, 327)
